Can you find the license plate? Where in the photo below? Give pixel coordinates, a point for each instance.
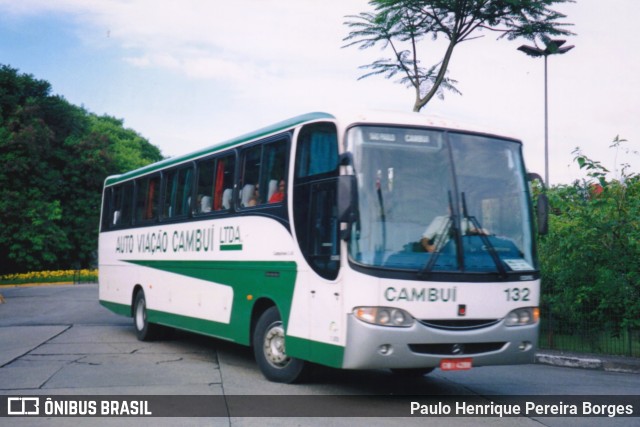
(456, 364)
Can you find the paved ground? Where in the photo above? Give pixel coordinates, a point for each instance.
(59, 341)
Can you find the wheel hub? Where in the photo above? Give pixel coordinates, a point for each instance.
(274, 346)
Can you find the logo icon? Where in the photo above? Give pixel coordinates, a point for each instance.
(23, 406)
(457, 349)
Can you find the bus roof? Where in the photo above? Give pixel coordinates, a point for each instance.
(347, 118)
(415, 119)
(275, 128)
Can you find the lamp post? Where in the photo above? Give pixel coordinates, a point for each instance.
(553, 47)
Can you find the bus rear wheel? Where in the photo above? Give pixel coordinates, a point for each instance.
(270, 353)
(145, 331)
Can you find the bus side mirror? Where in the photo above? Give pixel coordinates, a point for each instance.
(542, 212)
(542, 206)
(347, 203)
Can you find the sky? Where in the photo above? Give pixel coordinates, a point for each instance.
(188, 74)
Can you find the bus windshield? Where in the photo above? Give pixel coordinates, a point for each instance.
(439, 201)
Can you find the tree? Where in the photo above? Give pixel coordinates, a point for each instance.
(400, 25)
(104, 147)
(127, 149)
(54, 157)
(30, 232)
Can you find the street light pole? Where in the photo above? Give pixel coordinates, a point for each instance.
(553, 47)
(546, 124)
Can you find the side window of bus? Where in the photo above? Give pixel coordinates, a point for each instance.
(274, 171)
(122, 207)
(263, 174)
(147, 198)
(215, 184)
(177, 193)
(317, 152)
(204, 188)
(250, 195)
(315, 198)
(223, 188)
(106, 218)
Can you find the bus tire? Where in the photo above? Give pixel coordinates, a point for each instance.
(269, 350)
(412, 372)
(145, 331)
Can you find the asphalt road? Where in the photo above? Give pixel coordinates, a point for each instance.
(57, 340)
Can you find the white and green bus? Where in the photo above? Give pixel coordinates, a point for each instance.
(359, 242)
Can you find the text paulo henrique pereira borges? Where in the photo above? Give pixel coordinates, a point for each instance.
(527, 408)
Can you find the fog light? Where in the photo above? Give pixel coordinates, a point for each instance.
(524, 346)
(385, 349)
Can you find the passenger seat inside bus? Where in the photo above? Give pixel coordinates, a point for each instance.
(246, 193)
(205, 204)
(272, 188)
(226, 198)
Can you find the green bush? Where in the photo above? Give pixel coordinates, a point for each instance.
(590, 259)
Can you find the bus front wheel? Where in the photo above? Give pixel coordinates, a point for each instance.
(145, 331)
(269, 350)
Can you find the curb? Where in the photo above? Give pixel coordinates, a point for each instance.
(30, 285)
(627, 365)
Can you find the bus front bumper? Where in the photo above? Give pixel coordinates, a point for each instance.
(419, 346)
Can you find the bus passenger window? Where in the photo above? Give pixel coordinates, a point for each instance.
(317, 151)
(223, 188)
(275, 158)
(147, 198)
(204, 188)
(215, 184)
(177, 193)
(121, 208)
(109, 213)
(250, 191)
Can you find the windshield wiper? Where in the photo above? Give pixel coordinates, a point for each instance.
(485, 240)
(451, 227)
(383, 220)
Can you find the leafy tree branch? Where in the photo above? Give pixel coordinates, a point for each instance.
(401, 25)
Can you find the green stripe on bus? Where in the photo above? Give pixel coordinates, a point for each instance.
(250, 280)
(192, 324)
(121, 309)
(314, 351)
(325, 354)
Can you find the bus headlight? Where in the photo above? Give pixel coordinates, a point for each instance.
(522, 316)
(383, 316)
